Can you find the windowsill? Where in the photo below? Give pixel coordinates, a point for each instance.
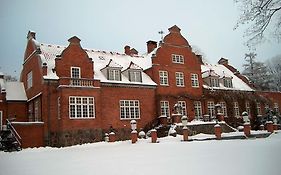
(195, 86)
(129, 119)
(89, 118)
(164, 85)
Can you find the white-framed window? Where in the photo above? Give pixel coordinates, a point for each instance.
(197, 110)
(183, 107)
(276, 107)
(30, 112)
(163, 75)
(211, 108)
(1, 118)
(114, 74)
(29, 80)
(259, 108)
(37, 111)
(236, 109)
(81, 107)
(129, 109)
(177, 59)
(165, 110)
(58, 103)
(266, 107)
(227, 82)
(180, 79)
(194, 80)
(135, 76)
(214, 82)
(223, 108)
(248, 108)
(75, 75)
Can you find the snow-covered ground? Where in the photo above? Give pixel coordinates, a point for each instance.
(169, 156)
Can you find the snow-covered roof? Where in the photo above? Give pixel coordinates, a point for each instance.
(222, 72)
(15, 91)
(101, 60)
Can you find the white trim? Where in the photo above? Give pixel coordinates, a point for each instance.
(73, 67)
(129, 107)
(194, 80)
(165, 76)
(34, 97)
(81, 104)
(178, 59)
(1, 118)
(179, 79)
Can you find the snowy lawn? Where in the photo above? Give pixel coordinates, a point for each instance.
(170, 156)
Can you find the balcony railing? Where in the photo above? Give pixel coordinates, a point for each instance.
(77, 82)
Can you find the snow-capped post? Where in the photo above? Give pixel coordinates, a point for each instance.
(112, 137)
(247, 125)
(269, 126)
(218, 112)
(106, 138)
(184, 121)
(218, 131)
(177, 115)
(134, 133)
(261, 127)
(275, 125)
(153, 136)
(142, 134)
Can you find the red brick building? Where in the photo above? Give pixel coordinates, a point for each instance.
(75, 95)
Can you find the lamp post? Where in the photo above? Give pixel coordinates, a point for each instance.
(275, 125)
(177, 115)
(184, 121)
(218, 112)
(134, 133)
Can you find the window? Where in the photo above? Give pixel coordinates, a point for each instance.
(214, 82)
(183, 107)
(81, 107)
(236, 109)
(163, 78)
(114, 74)
(58, 101)
(135, 76)
(30, 112)
(1, 118)
(197, 110)
(164, 105)
(37, 112)
(223, 108)
(129, 109)
(177, 59)
(179, 79)
(248, 108)
(266, 108)
(194, 80)
(258, 108)
(211, 108)
(75, 75)
(276, 107)
(29, 80)
(227, 82)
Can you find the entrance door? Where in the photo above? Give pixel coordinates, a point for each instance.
(1, 120)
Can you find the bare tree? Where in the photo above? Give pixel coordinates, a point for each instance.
(260, 14)
(274, 66)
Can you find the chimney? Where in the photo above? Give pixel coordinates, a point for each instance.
(31, 34)
(133, 51)
(127, 50)
(44, 69)
(151, 45)
(223, 61)
(74, 40)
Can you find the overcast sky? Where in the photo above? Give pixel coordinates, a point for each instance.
(111, 24)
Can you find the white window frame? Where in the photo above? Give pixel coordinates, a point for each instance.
(259, 109)
(197, 109)
(236, 109)
(227, 82)
(30, 112)
(1, 118)
(165, 109)
(74, 72)
(163, 78)
(214, 82)
(179, 59)
(59, 107)
(194, 80)
(179, 79)
(29, 80)
(276, 107)
(183, 107)
(211, 108)
(36, 111)
(81, 107)
(129, 109)
(248, 108)
(223, 108)
(114, 74)
(135, 76)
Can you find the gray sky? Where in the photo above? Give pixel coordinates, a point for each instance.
(111, 24)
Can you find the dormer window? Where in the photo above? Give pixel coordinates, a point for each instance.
(214, 82)
(178, 59)
(227, 82)
(114, 74)
(135, 76)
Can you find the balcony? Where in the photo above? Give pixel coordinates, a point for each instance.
(77, 82)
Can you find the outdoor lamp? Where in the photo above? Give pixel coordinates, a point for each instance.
(184, 120)
(218, 107)
(274, 118)
(133, 125)
(245, 117)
